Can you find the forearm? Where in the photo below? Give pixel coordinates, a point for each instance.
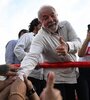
(34, 97)
(82, 50)
(5, 93)
(2, 85)
(16, 96)
(6, 83)
(20, 53)
(74, 46)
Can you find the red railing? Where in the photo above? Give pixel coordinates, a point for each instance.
(62, 64)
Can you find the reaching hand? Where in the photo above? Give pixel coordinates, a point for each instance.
(50, 93)
(17, 90)
(8, 70)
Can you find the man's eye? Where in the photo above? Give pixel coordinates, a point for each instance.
(45, 18)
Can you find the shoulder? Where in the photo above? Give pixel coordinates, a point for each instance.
(64, 23)
(40, 36)
(26, 36)
(12, 42)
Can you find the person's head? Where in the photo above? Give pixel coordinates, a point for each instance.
(48, 18)
(34, 26)
(23, 31)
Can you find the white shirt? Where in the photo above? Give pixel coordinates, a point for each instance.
(46, 43)
(21, 50)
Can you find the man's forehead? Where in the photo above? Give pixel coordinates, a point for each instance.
(47, 12)
(47, 9)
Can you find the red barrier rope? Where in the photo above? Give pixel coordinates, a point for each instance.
(65, 65)
(62, 65)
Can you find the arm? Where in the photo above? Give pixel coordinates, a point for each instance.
(23, 43)
(6, 83)
(82, 51)
(73, 40)
(17, 90)
(4, 94)
(32, 58)
(30, 90)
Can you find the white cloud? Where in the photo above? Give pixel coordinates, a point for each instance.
(3, 4)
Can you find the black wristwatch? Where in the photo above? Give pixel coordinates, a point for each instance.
(31, 92)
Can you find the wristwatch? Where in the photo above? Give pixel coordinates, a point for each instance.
(31, 92)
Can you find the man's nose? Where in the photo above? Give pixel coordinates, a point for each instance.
(50, 18)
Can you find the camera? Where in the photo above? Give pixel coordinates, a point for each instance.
(88, 27)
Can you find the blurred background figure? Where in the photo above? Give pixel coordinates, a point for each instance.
(10, 57)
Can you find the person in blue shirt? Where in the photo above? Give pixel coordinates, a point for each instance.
(10, 57)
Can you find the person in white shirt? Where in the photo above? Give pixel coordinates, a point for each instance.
(10, 57)
(21, 50)
(57, 42)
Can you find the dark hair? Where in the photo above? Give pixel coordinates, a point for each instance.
(33, 23)
(22, 32)
(88, 27)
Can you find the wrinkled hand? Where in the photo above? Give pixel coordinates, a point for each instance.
(50, 93)
(19, 86)
(63, 48)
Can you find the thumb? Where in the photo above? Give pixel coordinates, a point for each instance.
(61, 40)
(50, 80)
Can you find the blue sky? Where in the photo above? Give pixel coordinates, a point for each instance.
(17, 14)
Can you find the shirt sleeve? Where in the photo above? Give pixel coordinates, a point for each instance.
(74, 41)
(22, 45)
(32, 58)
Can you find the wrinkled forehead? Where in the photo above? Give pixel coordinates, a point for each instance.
(46, 11)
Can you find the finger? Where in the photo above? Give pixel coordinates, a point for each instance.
(13, 68)
(11, 73)
(25, 78)
(50, 80)
(61, 40)
(28, 83)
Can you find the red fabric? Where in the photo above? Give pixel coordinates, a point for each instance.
(62, 64)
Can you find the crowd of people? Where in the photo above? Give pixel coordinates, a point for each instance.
(46, 40)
